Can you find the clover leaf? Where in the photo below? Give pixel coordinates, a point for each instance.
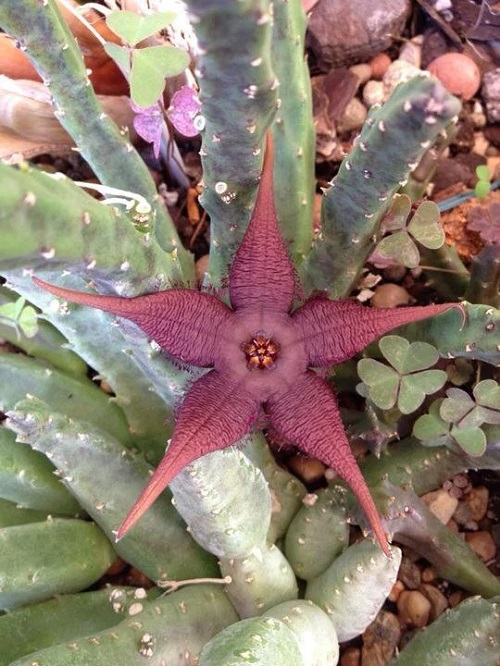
(145, 68)
(424, 227)
(408, 381)
(20, 316)
(457, 419)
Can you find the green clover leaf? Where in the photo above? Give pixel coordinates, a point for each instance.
(132, 28)
(150, 67)
(408, 381)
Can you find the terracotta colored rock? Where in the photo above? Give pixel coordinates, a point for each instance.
(379, 65)
(482, 544)
(390, 296)
(458, 73)
(439, 603)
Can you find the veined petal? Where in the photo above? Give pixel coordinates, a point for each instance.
(262, 275)
(333, 331)
(215, 414)
(184, 322)
(309, 417)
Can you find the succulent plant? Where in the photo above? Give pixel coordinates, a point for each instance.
(235, 536)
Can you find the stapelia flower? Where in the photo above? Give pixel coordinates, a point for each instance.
(260, 353)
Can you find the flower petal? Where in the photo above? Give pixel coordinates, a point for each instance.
(184, 322)
(334, 331)
(215, 413)
(309, 417)
(262, 275)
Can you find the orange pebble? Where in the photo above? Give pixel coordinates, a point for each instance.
(379, 64)
(458, 73)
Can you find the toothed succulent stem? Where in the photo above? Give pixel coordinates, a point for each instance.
(390, 145)
(293, 130)
(234, 40)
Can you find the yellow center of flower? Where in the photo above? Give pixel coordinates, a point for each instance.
(261, 351)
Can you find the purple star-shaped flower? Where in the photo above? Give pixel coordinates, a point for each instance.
(260, 352)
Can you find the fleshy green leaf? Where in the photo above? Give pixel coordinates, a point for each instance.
(17, 314)
(133, 28)
(482, 172)
(150, 67)
(425, 226)
(482, 189)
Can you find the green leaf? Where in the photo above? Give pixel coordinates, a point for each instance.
(456, 405)
(133, 28)
(482, 189)
(395, 218)
(425, 226)
(472, 441)
(487, 393)
(401, 248)
(483, 173)
(16, 314)
(150, 67)
(28, 321)
(383, 382)
(121, 55)
(406, 357)
(431, 425)
(414, 388)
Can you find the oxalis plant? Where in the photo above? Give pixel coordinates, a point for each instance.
(256, 569)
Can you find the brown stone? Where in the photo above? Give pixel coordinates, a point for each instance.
(364, 30)
(380, 640)
(477, 500)
(379, 65)
(351, 657)
(482, 544)
(409, 574)
(414, 608)
(439, 603)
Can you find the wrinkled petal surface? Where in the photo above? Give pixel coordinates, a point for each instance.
(186, 323)
(309, 417)
(333, 331)
(215, 414)
(262, 275)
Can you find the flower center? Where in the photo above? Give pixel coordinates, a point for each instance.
(260, 351)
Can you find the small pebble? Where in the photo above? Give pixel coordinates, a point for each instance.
(429, 575)
(351, 657)
(362, 71)
(396, 590)
(373, 93)
(478, 116)
(414, 608)
(439, 603)
(482, 544)
(477, 500)
(458, 73)
(399, 72)
(380, 639)
(441, 504)
(354, 116)
(491, 94)
(409, 574)
(307, 469)
(390, 296)
(379, 65)
(481, 144)
(455, 598)
(201, 267)
(411, 51)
